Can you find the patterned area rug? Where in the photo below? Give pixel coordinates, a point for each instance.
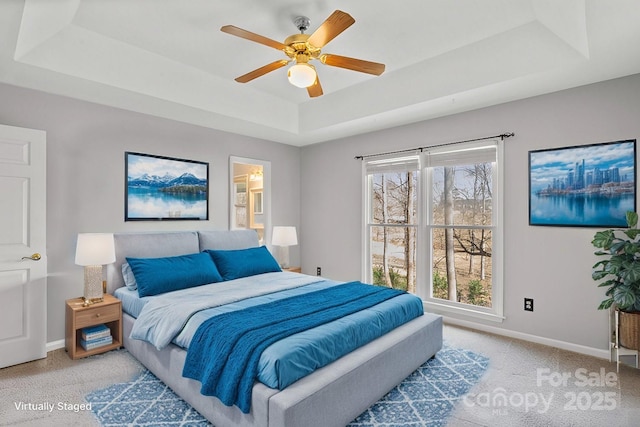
(425, 398)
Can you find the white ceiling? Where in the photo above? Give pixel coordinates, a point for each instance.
(169, 58)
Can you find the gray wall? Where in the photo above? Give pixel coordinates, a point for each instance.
(85, 189)
(85, 176)
(550, 264)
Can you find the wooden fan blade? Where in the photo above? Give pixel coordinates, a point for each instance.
(352, 64)
(261, 71)
(332, 27)
(239, 32)
(315, 89)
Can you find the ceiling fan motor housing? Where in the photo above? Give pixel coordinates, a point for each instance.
(302, 23)
(297, 46)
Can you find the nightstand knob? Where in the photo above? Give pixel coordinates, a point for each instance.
(97, 314)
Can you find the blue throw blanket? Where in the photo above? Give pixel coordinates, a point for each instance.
(225, 350)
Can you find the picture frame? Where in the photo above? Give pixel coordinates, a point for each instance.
(159, 188)
(583, 186)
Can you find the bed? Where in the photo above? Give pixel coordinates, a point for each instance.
(332, 395)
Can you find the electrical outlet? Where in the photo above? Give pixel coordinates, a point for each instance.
(318, 271)
(528, 304)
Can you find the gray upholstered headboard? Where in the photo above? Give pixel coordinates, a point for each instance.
(156, 245)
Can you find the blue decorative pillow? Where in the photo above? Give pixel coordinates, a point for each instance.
(129, 278)
(159, 275)
(234, 264)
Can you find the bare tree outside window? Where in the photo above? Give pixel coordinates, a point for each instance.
(462, 213)
(393, 237)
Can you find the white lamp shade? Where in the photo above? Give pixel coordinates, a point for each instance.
(95, 249)
(302, 75)
(284, 236)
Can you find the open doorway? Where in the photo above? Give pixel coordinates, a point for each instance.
(250, 196)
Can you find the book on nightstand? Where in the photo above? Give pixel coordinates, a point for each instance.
(95, 336)
(96, 343)
(91, 333)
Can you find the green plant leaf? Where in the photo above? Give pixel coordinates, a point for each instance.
(632, 233)
(624, 296)
(632, 219)
(599, 274)
(617, 247)
(619, 272)
(615, 265)
(604, 305)
(611, 282)
(604, 262)
(631, 248)
(603, 239)
(630, 271)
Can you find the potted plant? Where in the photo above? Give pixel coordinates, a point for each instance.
(619, 272)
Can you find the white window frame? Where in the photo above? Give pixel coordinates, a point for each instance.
(424, 226)
(394, 163)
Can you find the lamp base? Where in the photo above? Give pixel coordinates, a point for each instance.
(87, 302)
(92, 284)
(284, 257)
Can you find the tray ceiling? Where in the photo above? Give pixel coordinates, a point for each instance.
(169, 58)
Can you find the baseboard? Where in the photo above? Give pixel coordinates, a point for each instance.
(576, 348)
(55, 345)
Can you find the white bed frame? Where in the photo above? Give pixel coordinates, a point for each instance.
(331, 396)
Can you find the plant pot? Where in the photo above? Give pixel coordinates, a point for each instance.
(629, 329)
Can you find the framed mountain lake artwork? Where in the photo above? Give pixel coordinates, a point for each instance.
(583, 186)
(161, 188)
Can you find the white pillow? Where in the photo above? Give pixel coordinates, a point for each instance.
(129, 278)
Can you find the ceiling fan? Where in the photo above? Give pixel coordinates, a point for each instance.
(302, 48)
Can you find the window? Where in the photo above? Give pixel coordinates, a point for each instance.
(392, 223)
(433, 226)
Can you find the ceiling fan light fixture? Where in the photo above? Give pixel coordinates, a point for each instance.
(301, 48)
(302, 75)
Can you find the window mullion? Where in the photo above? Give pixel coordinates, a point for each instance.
(423, 265)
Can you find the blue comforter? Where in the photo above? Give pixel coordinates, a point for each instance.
(225, 350)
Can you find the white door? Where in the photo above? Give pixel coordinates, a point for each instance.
(23, 280)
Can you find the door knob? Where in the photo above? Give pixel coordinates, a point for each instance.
(34, 257)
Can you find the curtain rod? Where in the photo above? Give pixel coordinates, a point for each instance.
(502, 136)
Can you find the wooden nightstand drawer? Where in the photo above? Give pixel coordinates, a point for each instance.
(97, 315)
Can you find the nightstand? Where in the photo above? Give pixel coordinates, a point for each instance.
(108, 312)
(292, 269)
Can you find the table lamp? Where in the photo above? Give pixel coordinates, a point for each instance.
(284, 237)
(93, 250)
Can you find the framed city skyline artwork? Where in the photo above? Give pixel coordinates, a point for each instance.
(583, 186)
(165, 188)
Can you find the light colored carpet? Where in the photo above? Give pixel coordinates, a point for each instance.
(60, 380)
(513, 376)
(524, 372)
